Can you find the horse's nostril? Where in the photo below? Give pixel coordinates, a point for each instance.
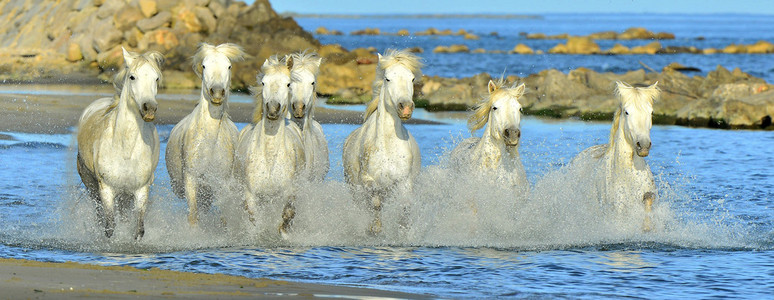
(507, 133)
(638, 145)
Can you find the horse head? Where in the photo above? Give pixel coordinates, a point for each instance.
(141, 77)
(635, 114)
(275, 82)
(502, 111)
(213, 65)
(396, 73)
(303, 75)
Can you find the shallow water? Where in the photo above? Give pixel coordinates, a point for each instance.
(715, 233)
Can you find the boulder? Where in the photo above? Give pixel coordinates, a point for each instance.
(159, 20)
(734, 49)
(618, 49)
(111, 59)
(636, 33)
(184, 18)
(522, 49)
(148, 7)
(74, 52)
(106, 36)
(478, 51)
(761, 47)
(559, 49)
(650, 48)
(470, 36)
(582, 45)
(110, 8)
(127, 18)
(206, 18)
(403, 32)
(367, 31)
(604, 35)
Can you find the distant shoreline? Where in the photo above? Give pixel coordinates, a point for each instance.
(410, 16)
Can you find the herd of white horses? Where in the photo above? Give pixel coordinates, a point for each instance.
(118, 145)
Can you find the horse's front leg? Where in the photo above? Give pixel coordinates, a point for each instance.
(648, 200)
(106, 213)
(190, 195)
(376, 208)
(250, 205)
(288, 213)
(140, 204)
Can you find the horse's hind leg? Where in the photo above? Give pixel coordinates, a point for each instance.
(140, 204)
(106, 213)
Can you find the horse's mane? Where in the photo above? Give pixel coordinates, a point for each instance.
(482, 109)
(232, 51)
(273, 65)
(153, 58)
(304, 60)
(640, 97)
(390, 58)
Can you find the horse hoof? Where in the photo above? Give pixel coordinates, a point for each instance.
(109, 232)
(283, 231)
(375, 228)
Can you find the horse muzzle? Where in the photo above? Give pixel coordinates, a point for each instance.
(643, 148)
(273, 110)
(298, 109)
(405, 109)
(511, 136)
(148, 111)
(217, 94)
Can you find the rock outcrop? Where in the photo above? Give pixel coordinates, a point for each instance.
(71, 37)
(722, 99)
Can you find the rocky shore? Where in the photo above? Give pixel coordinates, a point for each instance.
(77, 41)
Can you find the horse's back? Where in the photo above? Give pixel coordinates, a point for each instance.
(90, 130)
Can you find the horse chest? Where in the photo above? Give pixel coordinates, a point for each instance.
(126, 161)
(389, 160)
(211, 152)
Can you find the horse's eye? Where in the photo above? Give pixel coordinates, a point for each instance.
(202, 67)
(288, 84)
(263, 83)
(229, 67)
(521, 109)
(412, 79)
(387, 79)
(131, 77)
(494, 108)
(157, 79)
(312, 82)
(626, 112)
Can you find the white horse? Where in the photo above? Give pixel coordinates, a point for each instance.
(497, 151)
(381, 155)
(200, 151)
(270, 153)
(620, 176)
(118, 146)
(303, 77)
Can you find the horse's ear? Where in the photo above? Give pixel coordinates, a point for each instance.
(318, 62)
(491, 86)
(129, 57)
(520, 89)
(654, 85)
(379, 56)
(621, 85)
(157, 57)
(289, 61)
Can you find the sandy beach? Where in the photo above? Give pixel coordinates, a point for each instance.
(26, 279)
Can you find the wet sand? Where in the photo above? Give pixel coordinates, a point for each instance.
(51, 113)
(26, 279)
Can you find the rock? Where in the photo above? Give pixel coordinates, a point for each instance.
(582, 45)
(403, 32)
(154, 22)
(111, 59)
(185, 18)
(106, 36)
(536, 36)
(461, 32)
(110, 8)
(322, 31)
(416, 50)
(665, 36)
(148, 7)
(650, 48)
(206, 19)
(636, 33)
(127, 18)
(451, 49)
(679, 67)
(618, 49)
(734, 49)
(74, 52)
(559, 49)
(753, 111)
(478, 51)
(429, 31)
(161, 40)
(678, 49)
(133, 37)
(604, 35)
(710, 51)
(470, 36)
(218, 9)
(761, 47)
(522, 49)
(367, 31)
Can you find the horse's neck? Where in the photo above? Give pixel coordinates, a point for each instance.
(273, 127)
(496, 149)
(620, 153)
(387, 123)
(127, 116)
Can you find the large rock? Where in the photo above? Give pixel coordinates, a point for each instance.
(154, 22)
(148, 7)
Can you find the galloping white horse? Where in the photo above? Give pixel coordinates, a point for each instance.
(200, 151)
(497, 151)
(118, 146)
(270, 153)
(381, 155)
(622, 177)
(303, 77)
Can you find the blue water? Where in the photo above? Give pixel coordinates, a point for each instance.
(715, 227)
(718, 32)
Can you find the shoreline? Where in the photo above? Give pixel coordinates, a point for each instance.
(54, 113)
(22, 278)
